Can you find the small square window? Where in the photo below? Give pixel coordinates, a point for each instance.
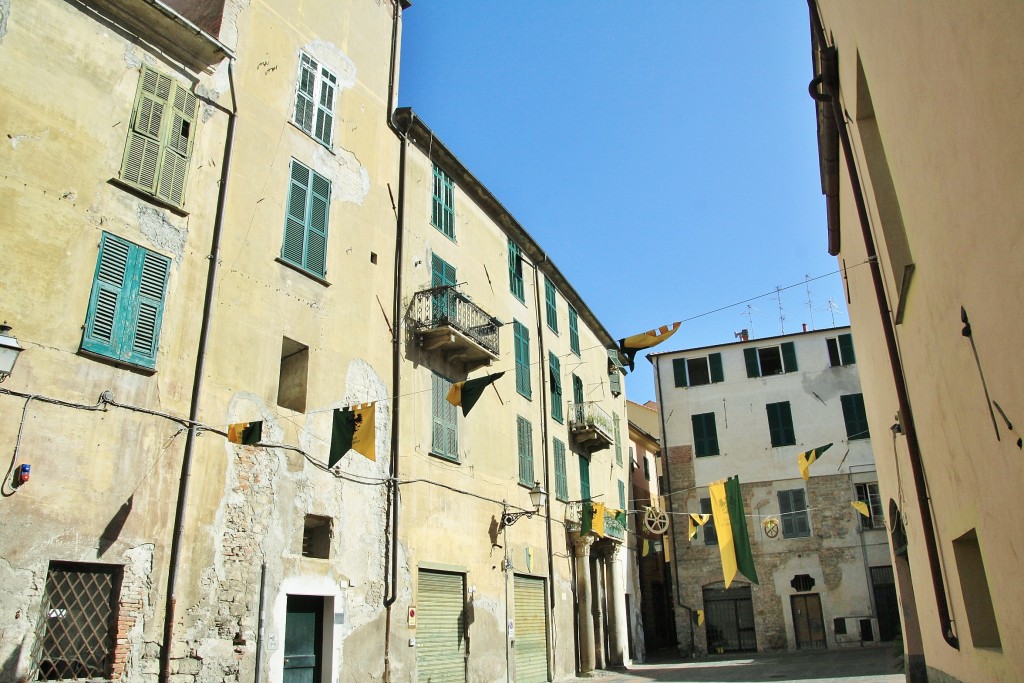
(316, 537)
(698, 372)
(291, 386)
(770, 360)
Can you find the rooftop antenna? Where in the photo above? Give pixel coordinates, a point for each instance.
(782, 315)
(832, 307)
(810, 303)
(750, 313)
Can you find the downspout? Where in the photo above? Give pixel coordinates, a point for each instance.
(197, 385)
(829, 80)
(671, 517)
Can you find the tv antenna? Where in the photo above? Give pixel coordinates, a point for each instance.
(810, 303)
(782, 315)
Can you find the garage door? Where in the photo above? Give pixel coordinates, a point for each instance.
(440, 632)
(531, 631)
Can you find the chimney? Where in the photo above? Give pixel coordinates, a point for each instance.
(805, 327)
(742, 335)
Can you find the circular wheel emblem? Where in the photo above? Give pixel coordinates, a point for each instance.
(656, 521)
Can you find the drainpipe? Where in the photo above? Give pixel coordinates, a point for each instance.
(197, 385)
(828, 79)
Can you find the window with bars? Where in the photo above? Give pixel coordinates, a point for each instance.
(770, 360)
(522, 346)
(705, 435)
(126, 303)
(445, 434)
(524, 439)
(574, 331)
(710, 533)
(315, 99)
(159, 145)
(796, 522)
(557, 405)
(442, 212)
(780, 424)
(306, 219)
(551, 305)
(693, 372)
(76, 632)
(855, 416)
(868, 493)
(561, 480)
(515, 271)
(840, 350)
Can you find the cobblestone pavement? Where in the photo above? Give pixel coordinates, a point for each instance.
(881, 663)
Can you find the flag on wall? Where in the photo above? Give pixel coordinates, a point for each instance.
(861, 507)
(245, 433)
(731, 526)
(598, 523)
(804, 460)
(353, 428)
(467, 393)
(696, 520)
(645, 340)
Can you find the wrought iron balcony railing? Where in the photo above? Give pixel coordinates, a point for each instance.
(590, 425)
(445, 318)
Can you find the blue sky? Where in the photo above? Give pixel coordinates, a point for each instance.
(662, 153)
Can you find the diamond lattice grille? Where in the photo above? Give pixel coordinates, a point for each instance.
(76, 635)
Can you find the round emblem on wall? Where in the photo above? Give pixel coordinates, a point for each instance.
(771, 527)
(656, 521)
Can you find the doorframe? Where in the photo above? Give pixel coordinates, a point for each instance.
(333, 603)
(821, 614)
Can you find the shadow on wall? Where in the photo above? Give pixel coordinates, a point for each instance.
(114, 527)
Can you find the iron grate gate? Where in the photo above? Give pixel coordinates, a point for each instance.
(75, 636)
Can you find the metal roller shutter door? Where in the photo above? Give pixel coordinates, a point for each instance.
(441, 645)
(531, 631)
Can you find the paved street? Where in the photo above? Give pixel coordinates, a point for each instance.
(860, 665)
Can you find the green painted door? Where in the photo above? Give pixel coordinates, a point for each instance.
(531, 631)
(440, 632)
(303, 639)
(442, 275)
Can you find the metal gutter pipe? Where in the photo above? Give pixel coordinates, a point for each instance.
(197, 386)
(829, 80)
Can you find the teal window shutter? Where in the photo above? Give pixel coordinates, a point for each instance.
(753, 367)
(515, 271)
(715, 363)
(442, 273)
(561, 481)
(524, 434)
(304, 97)
(577, 389)
(710, 533)
(618, 439)
(793, 511)
(445, 435)
(126, 303)
(584, 478)
(705, 435)
(789, 357)
(574, 331)
(855, 416)
(555, 370)
(622, 495)
(615, 382)
(679, 372)
(442, 213)
(325, 106)
(846, 349)
(551, 305)
(780, 424)
(306, 220)
(522, 349)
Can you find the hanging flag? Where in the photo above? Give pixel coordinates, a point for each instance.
(698, 616)
(647, 549)
(804, 460)
(598, 524)
(691, 528)
(861, 507)
(731, 525)
(630, 345)
(620, 517)
(586, 518)
(467, 393)
(353, 429)
(245, 433)
(698, 520)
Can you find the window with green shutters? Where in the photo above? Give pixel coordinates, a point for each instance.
(574, 331)
(551, 304)
(315, 99)
(555, 370)
(692, 372)
(705, 435)
(840, 350)
(710, 533)
(793, 512)
(515, 271)
(442, 213)
(770, 360)
(584, 478)
(622, 495)
(855, 415)
(306, 218)
(126, 303)
(524, 439)
(445, 436)
(522, 346)
(618, 439)
(561, 481)
(780, 424)
(159, 146)
(442, 274)
(577, 389)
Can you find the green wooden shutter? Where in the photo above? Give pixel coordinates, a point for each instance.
(555, 370)
(855, 416)
(561, 480)
(102, 328)
(325, 106)
(294, 248)
(177, 148)
(622, 495)
(618, 439)
(306, 220)
(524, 434)
(584, 478)
(789, 357)
(442, 273)
(531, 646)
(304, 104)
(442, 212)
(780, 424)
(316, 242)
(753, 367)
(150, 283)
(551, 305)
(141, 162)
(574, 331)
(793, 511)
(846, 349)
(715, 363)
(515, 271)
(679, 372)
(522, 349)
(615, 383)
(441, 627)
(705, 434)
(445, 433)
(577, 389)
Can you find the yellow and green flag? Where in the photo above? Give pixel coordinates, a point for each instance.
(731, 526)
(861, 507)
(245, 433)
(467, 393)
(698, 617)
(354, 429)
(695, 521)
(804, 460)
(645, 340)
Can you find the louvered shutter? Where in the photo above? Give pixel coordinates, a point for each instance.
(561, 481)
(715, 363)
(522, 350)
(531, 647)
(555, 370)
(679, 372)
(437, 394)
(304, 95)
(325, 107)
(178, 146)
(316, 244)
(524, 432)
(584, 478)
(753, 367)
(151, 270)
(293, 248)
(846, 349)
(440, 632)
(789, 357)
(102, 327)
(577, 389)
(141, 162)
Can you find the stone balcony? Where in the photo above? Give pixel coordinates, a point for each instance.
(445, 320)
(591, 427)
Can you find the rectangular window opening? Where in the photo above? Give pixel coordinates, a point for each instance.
(291, 385)
(698, 372)
(315, 98)
(793, 511)
(981, 615)
(444, 438)
(780, 424)
(770, 360)
(442, 213)
(868, 493)
(705, 435)
(316, 537)
(710, 534)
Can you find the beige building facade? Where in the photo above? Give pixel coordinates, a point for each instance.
(920, 177)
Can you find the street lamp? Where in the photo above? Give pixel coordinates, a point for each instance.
(538, 496)
(9, 350)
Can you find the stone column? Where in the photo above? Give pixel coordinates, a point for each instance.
(599, 611)
(584, 603)
(616, 598)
